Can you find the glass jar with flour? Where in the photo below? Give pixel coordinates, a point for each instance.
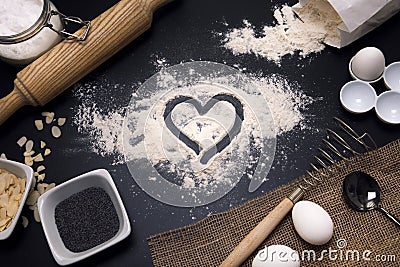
(29, 28)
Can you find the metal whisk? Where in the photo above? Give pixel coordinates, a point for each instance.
(326, 158)
(336, 147)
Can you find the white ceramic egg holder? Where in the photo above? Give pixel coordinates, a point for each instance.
(358, 96)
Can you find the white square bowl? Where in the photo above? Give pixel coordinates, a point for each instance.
(47, 204)
(21, 171)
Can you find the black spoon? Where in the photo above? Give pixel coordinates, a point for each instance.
(362, 193)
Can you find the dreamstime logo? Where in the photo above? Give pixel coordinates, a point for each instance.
(200, 139)
(342, 253)
(341, 243)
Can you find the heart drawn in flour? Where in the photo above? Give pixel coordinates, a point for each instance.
(202, 110)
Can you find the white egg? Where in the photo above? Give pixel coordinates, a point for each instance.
(277, 256)
(368, 64)
(312, 222)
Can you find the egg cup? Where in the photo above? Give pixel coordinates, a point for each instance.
(356, 78)
(387, 107)
(391, 76)
(360, 97)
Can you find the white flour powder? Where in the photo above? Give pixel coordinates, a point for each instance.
(139, 134)
(17, 16)
(101, 122)
(104, 128)
(176, 159)
(318, 24)
(104, 125)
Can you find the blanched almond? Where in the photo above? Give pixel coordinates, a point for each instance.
(17, 197)
(40, 168)
(41, 177)
(29, 161)
(55, 131)
(47, 152)
(38, 158)
(28, 153)
(36, 214)
(61, 121)
(50, 186)
(25, 221)
(4, 223)
(39, 124)
(29, 145)
(49, 116)
(22, 141)
(12, 208)
(3, 213)
(4, 199)
(33, 184)
(40, 189)
(22, 184)
(2, 185)
(32, 198)
(16, 190)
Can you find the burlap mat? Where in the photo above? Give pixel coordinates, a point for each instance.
(209, 241)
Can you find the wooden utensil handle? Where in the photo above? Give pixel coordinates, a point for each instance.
(69, 61)
(258, 234)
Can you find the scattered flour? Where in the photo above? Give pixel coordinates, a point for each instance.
(103, 126)
(318, 24)
(285, 100)
(160, 62)
(149, 138)
(100, 122)
(136, 133)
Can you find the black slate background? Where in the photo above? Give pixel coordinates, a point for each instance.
(183, 31)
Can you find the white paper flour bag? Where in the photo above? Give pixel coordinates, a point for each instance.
(346, 20)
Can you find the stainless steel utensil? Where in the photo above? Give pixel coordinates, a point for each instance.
(362, 193)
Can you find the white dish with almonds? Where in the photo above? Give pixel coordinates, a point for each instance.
(12, 192)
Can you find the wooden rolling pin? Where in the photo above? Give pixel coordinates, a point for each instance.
(68, 62)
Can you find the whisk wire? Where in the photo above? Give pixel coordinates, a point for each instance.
(336, 137)
(320, 162)
(326, 156)
(359, 138)
(331, 151)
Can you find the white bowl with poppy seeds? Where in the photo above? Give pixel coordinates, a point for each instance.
(83, 216)
(21, 171)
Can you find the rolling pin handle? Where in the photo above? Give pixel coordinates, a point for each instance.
(11, 103)
(254, 239)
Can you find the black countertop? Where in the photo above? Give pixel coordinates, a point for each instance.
(184, 31)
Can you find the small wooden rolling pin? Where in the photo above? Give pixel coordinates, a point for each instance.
(254, 239)
(68, 62)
